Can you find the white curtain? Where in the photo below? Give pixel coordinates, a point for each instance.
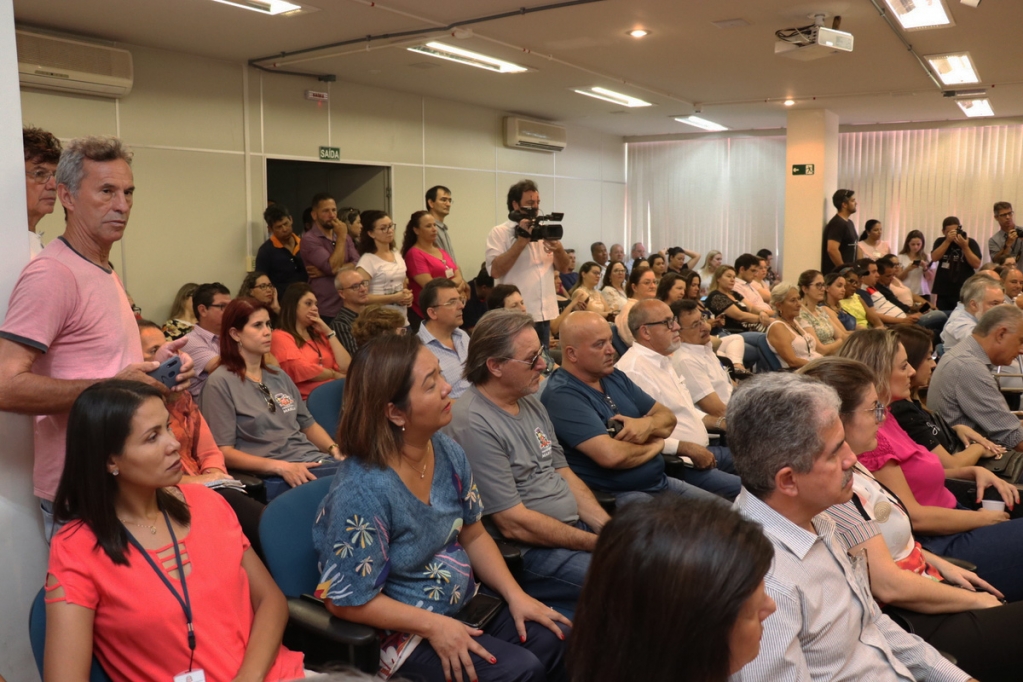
(725, 194)
(728, 194)
(913, 179)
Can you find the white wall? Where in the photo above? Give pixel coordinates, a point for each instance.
(201, 130)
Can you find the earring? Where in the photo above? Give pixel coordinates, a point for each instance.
(115, 472)
(403, 428)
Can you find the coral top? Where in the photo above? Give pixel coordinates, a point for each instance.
(139, 629)
(302, 364)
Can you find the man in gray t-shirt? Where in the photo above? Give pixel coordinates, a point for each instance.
(520, 469)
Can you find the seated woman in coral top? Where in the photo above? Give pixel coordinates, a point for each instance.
(305, 346)
(153, 577)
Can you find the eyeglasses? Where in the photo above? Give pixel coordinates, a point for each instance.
(695, 325)
(361, 285)
(456, 302)
(540, 355)
(669, 323)
(818, 285)
(40, 176)
(217, 305)
(877, 409)
(386, 228)
(264, 287)
(266, 396)
(999, 216)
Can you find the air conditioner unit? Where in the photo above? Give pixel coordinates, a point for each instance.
(522, 134)
(73, 66)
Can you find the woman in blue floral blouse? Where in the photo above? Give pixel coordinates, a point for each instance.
(399, 535)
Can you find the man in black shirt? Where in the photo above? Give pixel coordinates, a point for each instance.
(476, 306)
(957, 257)
(838, 245)
(278, 256)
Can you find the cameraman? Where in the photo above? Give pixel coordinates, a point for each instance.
(1006, 241)
(957, 257)
(513, 259)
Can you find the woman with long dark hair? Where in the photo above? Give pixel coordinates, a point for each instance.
(385, 271)
(257, 284)
(425, 260)
(916, 264)
(153, 577)
(400, 539)
(675, 591)
(613, 286)
(256, 413)
(870, 244)
(305, 346)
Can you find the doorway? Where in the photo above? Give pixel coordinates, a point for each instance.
(293, 184)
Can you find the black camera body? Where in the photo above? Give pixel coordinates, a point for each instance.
(541, 226)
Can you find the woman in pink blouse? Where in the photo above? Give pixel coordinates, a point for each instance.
(305, 346)
(424, 260)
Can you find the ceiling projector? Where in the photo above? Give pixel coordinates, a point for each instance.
(812, 42)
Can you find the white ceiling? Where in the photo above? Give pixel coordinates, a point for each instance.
(728, 73)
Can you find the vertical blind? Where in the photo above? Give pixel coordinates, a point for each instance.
(728, 194)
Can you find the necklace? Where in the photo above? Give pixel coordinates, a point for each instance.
(422, 474)
(152, 528)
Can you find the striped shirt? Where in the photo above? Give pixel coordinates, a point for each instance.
(827, 626)
(963, 391)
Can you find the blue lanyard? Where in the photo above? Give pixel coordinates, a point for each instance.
(186, 603)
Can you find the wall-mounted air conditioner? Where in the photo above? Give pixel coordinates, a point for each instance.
(73, 66)
(522, 134)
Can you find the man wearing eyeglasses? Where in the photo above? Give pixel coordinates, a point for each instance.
(524, 480)
(42, 152)
(1006, 241)
(695, 362)
(442, 304)
(838, 246)
(354, 293)
(203, 342)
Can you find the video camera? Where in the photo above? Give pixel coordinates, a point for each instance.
(540, 225)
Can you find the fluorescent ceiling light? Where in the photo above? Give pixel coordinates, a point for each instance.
(915, 15)
(789, 102)
(954, 69)
(639, 33)
(614, 97)
(457, 54)
(976, 107)
(701, 123)
(270, 7)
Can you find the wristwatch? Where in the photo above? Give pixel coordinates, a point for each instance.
(332, 334)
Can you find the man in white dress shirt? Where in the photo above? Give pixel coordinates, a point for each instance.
(790, 450)
(513, 258)
(695, 361)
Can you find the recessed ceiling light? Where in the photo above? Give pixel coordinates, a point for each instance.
(614, 97)
(954, 69)
(915, 15)
(701, 123)
(974, 108)
(271, 7)
(789, 102)
(457, 54)
(639, 33)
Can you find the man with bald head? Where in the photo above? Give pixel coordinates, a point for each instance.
(648, 363)
(612, 432)
(354, 293)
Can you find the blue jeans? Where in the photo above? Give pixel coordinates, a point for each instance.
(543, 330)
(995, 549)
(670, 485)
(275, 485)
(721, 480)
(555, 575)
(934, 320)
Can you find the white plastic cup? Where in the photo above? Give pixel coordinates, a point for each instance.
(993, 505)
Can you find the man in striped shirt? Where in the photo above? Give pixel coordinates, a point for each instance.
(789, 447)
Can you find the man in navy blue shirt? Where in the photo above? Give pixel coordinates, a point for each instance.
(585, 395)
(278, 256)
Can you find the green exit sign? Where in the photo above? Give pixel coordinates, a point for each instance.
(334, 154)
(797, 169)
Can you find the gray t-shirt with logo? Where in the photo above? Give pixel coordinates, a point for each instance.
(240, 416)
(513, 457)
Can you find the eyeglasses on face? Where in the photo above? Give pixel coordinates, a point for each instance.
(264, 287)
(532, 362)
(877, 409)
(1007, 214)
(221, 306)
(266, 396)
(360, 285)
(40, 176)
(453, 303)
(698, 324)
(669, 323)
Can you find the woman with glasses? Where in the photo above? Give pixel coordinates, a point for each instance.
(256, 413)
(985, 537)
(425, 260)
(400, 540)
(951, 608)
(793, 345)
(305, 346)
(641, 286)
(257, 285)
(378, 263)
(816, 318)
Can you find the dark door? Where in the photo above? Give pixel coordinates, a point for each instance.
(293, 184)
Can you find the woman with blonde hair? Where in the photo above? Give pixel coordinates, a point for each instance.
(710, 264)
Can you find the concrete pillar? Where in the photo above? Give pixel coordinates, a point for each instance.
(22, 549)
(811, 138)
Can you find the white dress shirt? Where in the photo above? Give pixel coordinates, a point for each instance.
(531, 272)
(702, 371)
(960, 325)
(828, 626)
(653, 372)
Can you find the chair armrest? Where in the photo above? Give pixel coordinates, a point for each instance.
(310, 615)
(674, 466)
(605, 500)
(254, 485)
(961, 563)
(510, 552)
(965, 491)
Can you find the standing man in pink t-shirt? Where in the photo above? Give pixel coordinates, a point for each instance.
(69, 323)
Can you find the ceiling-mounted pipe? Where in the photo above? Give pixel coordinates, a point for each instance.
(884, 15)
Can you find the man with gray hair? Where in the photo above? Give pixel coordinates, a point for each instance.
(524, 480)
(979, 294)
(638, 252)
(963, 389)
(790, 450)
(69, 324)
(354, 293)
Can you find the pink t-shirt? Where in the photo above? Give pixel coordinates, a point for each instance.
(921, 467)
(418, 262)
(139, 630)
(78, 315)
